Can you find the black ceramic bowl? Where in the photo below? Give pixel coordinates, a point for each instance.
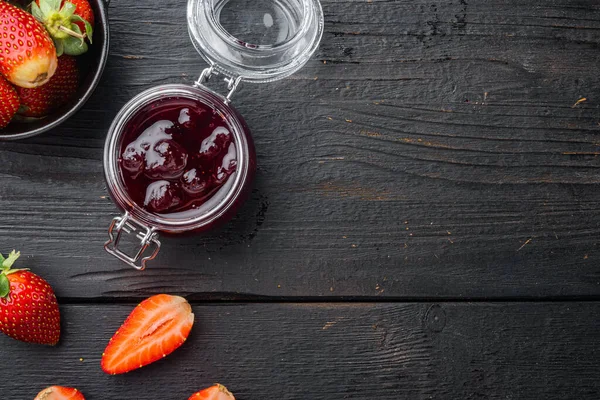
(91, 66)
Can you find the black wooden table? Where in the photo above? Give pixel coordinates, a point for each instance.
(424, 224)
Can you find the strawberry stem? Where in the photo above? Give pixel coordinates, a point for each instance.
(10, 260)
(72, 32)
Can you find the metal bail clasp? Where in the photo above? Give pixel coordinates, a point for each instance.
(146, 235)
(232, 83)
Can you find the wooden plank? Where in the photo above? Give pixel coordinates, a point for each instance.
(334, 351)
(431, 149)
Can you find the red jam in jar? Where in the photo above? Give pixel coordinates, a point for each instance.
(177, 157)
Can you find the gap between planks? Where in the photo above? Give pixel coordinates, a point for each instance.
(339, 300)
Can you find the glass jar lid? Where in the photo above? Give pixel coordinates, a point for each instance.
(255, 40)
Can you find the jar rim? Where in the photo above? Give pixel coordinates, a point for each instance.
(251, 62)
(116, 185)
(236, 42)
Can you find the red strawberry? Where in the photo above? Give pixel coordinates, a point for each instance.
(155, 328)
(28, 307)
(216, 392)
(41, 101)
(9, 102)
(29, 56)
(68, 22)
(59, 393)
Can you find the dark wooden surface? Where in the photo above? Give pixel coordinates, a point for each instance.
(432, 151)
(335, 351)
(382, 164)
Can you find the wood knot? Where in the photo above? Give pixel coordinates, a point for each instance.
(435, 318)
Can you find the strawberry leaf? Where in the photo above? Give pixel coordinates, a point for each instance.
(60, 47)
(67, 10)
(45, 6)
(37, 12)
(4, 286)
(1, 258)
(54, 4)
(89, 31)
(75, 46)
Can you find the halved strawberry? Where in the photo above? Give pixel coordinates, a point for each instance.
(216, 392)
(59, 393)
(156, 327)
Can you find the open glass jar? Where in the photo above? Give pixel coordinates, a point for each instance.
(179, 158)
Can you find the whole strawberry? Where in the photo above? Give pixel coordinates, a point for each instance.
(28, 307)
(9, 102)
(41, 101)
(29, 57)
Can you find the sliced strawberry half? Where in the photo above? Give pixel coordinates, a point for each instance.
(216, 392)
(59, 393)
(155, 328)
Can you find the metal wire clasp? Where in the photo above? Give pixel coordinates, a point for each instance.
(232, 83)
(146, 235)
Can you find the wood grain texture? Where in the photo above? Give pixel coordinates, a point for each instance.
(334, 351)
(430, 149)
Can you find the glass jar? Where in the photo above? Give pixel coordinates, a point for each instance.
(243, 41)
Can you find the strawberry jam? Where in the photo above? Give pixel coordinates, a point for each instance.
(176, 156)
